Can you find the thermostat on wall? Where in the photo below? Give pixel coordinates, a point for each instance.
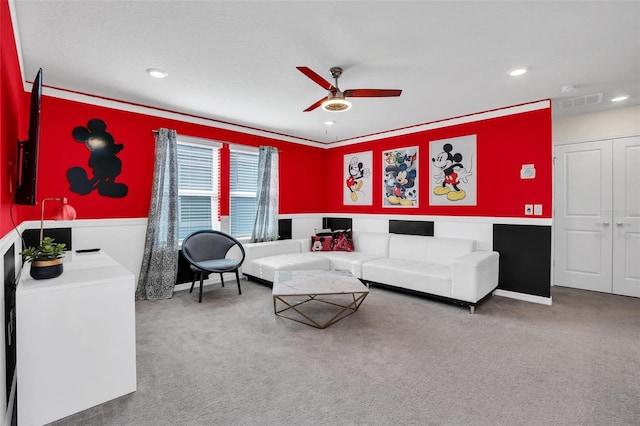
(528, 171)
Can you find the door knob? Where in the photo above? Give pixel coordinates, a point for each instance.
(603, 223)
(621, 224)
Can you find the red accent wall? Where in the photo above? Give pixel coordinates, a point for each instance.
(503, 145)
(13, 117)
(59, 152)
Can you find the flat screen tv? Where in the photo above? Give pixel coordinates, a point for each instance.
(28, 150)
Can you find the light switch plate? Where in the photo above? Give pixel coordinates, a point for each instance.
(528, 209)
(537, 209)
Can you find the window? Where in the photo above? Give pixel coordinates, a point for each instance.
(243, 184)
(198, 170)
(198, 186)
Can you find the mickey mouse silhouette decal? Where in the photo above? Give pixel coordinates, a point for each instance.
(103, 160)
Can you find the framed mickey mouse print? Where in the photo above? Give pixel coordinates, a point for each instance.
(357, 190)
(400, 168)
(452, 178)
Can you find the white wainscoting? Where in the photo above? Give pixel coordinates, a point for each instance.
(371, 224)
(303, 226)
(123, 239)
(481, 232)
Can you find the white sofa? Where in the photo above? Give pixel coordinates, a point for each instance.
(447, 268)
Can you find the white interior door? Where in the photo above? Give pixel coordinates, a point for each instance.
(582, 220)
(626, 216)
(597, 216)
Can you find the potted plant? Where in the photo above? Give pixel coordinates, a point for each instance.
(46, 259)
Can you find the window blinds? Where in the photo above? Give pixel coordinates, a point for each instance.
(243, 186)
(198, 167)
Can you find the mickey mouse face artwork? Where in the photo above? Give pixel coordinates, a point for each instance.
(103, 161)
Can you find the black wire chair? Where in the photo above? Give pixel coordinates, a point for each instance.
(206, 253)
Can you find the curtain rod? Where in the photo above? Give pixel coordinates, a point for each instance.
(228, 143)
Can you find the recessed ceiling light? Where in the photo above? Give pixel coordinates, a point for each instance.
(619, 98)
(329, 123)
(154, 72)
(518, 71)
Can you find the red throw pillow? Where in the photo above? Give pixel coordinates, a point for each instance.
(342, 241)
(319, 243)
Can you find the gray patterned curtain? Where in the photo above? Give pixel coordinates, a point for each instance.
(160, 260)
(265, 227)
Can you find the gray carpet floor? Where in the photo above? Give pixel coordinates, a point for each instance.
(399, 360)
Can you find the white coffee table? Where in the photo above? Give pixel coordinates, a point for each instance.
(339, 289)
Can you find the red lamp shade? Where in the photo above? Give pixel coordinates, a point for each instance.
(65, 211)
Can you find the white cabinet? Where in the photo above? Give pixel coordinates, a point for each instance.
(76, 343)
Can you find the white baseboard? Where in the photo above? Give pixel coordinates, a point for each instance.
(522, 296)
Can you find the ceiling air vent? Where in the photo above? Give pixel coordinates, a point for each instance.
(579, 101)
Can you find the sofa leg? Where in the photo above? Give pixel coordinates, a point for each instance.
(472, 309)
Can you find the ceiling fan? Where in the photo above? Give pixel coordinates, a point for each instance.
(335, 100)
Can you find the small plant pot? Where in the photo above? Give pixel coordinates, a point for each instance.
(45, 269)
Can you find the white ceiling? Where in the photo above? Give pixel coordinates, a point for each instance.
(235, 61)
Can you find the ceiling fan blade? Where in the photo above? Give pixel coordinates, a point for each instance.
(315, 105)
(371, 93)
(315, 77)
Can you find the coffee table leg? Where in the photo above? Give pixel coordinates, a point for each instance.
(352, 307)
(311, 322)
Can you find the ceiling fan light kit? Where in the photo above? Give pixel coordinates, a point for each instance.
(336, 103)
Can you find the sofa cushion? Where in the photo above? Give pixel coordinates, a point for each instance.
(410, 274)
(265, 268)
(446, 250)
(273, 248)
(255, 251)
(348, 261)
(429, 249)
(374, 244)
(408, 247)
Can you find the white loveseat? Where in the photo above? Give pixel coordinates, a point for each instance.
(447, 268)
